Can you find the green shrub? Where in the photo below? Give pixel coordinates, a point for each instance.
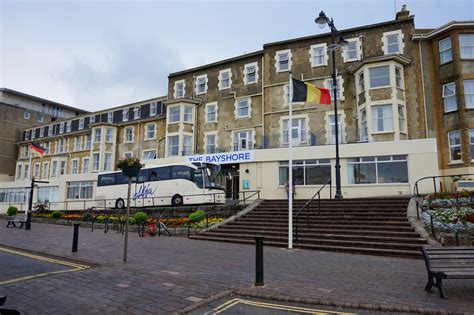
(132, 221)
(12, 210)
(140, 216)
(56, 214)
(197, 215)
(87, 216)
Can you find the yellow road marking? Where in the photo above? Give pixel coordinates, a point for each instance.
(74, 266)
(223, 307)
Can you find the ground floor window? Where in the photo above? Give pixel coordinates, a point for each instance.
(14, 195)
(306, 172)
(378, 169)
(48, 194)
(80, 190)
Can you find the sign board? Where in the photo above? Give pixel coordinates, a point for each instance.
(223, 158)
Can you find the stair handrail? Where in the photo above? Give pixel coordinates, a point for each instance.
(224, 207)
(434, 177)
(307, 204)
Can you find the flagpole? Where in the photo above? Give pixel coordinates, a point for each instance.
(290, 167)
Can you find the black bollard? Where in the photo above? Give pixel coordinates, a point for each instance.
(75, 237)
(259, 261)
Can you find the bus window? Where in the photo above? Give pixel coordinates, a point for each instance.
(122, 179)
(160, 173)
(181, 172)
(142, 176)
(106, 179)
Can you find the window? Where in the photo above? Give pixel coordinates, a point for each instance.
(298, 131)
(187, 145)
(243, 140)
(250, 73)
(339, 90)
(175, 113)
(80, 190)
(360, 82)
(466, 43)
(62, 167)
(201, 84)
(382, 118)
(469, 93)
(125, 114)
(68, 126)
(401, 118)
(27, 135)
(136, 113)
(283, 60)
(46, 146)
(471, 142)
(27, 170)
(61, 127)
(150, 132)
(173, 145)
(85, 165)
(48, 194)
(45, 170)
(39, 118)
(211, 144)
(107, 162)
(398, 77)
(95, 162)
(211, 112)
(127, 155)
(454, 138)
(81, 123)
(179, 89)
(97, 135)
(54, 168)
(449, 96)
(377, 169)
(41, 132)
(77, 144)
(318, 54)
(379, 76)
(445, 53)
(92, 120)
(352, 51)
(108, 135)
(50, 130)
(26, 115)
(149, 155)
(242, 109)
(128, 134)
(188, 114)
(88, 142)
(18, 171)
(224, 79)
(306, 172)
(14, 195)
(74, 166)
(110, 117)
(332, 129)
(60, 146)
(153, 109)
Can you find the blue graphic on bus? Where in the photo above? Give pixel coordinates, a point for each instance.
(144, 192)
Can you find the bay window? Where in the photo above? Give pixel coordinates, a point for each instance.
(382, 119)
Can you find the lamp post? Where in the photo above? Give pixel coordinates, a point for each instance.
(322, 20)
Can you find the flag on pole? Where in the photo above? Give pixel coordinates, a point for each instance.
(305, 92)
(37, 148)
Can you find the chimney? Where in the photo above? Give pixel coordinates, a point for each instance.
(403, 13)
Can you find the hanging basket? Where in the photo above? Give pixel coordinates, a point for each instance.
(131, 171)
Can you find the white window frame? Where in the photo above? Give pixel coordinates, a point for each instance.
(402, 119)
(68, 126)
(381, 86)
(188, 147)
(469, 46)
(125, 135)
(301, 128)
(77, 143)
(331, 132)
(447, 98)
(312, 55)
(361, 82)
(469, 94)
(399, 83)
(39, 118)
(92, 120)
(109, 135)
(95, 163)
(153, 108)
(81, 123)
(246, 72)
(200, 81)
(85, 169)
(41, 135)
(50, 131)
(207, 145)
(61, 127)
(221, 73)
(136, 113)
(170, 110)
(442, 52)
(37, 170)
(383, 118)
(45, 170)
(237, 107)
(358, 50)
(340, 88)
(54, 168)
(237, 140)
(279, 58)
(108, 164)
(146, 153)
(127, 154)
(62, 167)
(188, 113)
(183, 90)
(209, 105)
(385, 44)
(168, 144)
(88, 142)
(97, 135)
(452, 146)
(147, 137)
(74, 169)
(125, 114)
(110, 117)
(26, 115)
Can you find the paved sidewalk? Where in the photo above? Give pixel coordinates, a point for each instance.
(167, 274)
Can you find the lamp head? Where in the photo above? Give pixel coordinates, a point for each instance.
(342, 42)
(322, 20)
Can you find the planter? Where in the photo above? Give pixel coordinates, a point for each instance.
(131, 171)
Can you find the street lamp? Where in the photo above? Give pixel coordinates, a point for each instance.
(322, 20)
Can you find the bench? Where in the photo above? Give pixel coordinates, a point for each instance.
(447, 263)
(19, 218)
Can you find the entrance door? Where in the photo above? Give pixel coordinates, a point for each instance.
(232, 182)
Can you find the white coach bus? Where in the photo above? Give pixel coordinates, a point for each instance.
(174, 184)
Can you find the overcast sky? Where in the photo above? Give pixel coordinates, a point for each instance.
(99, 54)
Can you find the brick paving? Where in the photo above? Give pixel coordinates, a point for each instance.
(168, 274)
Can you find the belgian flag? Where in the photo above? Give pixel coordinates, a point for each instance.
(305, 92)
(37, 148)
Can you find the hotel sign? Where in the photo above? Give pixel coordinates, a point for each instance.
(224, 158)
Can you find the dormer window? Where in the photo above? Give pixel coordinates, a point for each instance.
(136, 113)
(125, 114)
(110, 117)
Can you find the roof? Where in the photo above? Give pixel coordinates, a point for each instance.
(442, 29)
(252, 54)
(6, 90)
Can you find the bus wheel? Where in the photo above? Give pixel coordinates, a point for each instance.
(119, 204)
(177, 200)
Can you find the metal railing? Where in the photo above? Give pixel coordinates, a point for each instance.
(308, 203)
(433, 178)
(221, 208)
